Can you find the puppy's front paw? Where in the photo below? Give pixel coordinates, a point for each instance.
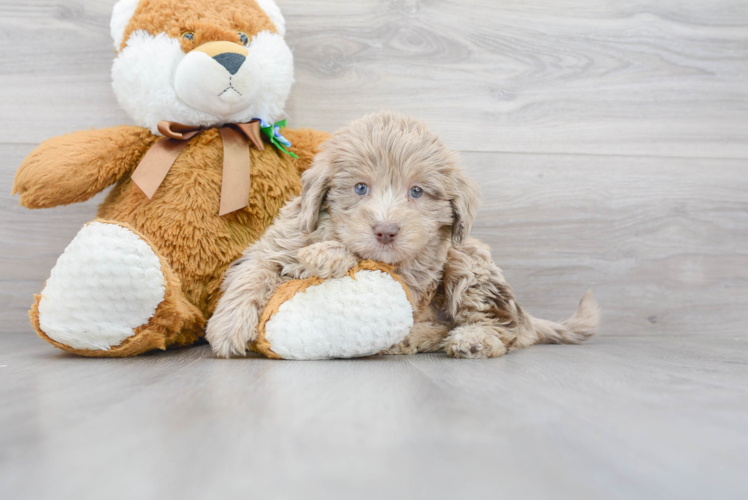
(229, 333)
(329, 259)
(474, 341)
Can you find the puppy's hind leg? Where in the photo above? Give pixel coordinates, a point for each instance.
(491, 339)
(481, 304)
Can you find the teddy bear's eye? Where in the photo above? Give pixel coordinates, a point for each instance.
(243, 38)
(362, 189)
(188, 35)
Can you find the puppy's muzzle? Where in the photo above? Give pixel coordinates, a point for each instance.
(386, 233)
(228, 54)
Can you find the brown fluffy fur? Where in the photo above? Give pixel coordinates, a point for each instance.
(210, 20)
(181, 222)
(462, 303)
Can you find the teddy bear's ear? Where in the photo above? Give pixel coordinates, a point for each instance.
(274, 13)
(121, 15)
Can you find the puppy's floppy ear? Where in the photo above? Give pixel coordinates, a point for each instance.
(465, 201)
(316, 182)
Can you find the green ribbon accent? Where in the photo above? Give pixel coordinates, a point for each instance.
(269, 132)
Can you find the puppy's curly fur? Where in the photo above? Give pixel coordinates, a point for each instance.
(364, 178)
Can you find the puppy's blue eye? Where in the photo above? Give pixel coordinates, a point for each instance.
(416, 192)
(362, 189)
(243, 38)
(188, 35)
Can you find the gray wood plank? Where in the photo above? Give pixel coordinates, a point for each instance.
(639, 77)
(619, 417)
(662, 241)
(634, 98)
(55, 59)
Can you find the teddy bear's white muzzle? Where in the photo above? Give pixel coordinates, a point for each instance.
(222, 85)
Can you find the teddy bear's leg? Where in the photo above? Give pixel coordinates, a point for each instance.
(111, 294)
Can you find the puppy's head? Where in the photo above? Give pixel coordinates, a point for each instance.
(200, 62)
(391, 189)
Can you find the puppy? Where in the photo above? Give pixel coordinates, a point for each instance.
(386, 188)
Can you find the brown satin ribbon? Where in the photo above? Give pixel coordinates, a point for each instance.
(236, 137)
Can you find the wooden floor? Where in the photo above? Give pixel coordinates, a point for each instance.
(610, 139)
(621, 417)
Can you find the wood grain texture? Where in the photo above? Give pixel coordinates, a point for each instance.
(663, 242)
(565, 76)
(610, 140)
(617, 418)
(571, 76)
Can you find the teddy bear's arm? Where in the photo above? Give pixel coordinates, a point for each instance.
(74, 167)
(306, 143)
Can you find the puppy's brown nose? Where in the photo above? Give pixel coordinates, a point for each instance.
(386, 232)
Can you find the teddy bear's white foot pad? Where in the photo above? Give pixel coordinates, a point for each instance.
(106, 283)
(341, 318)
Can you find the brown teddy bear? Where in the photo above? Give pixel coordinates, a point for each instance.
(198, 180)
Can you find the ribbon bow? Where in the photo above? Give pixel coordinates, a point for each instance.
(272, 132)
(236, 137)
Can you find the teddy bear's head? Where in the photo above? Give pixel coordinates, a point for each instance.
(200, 62)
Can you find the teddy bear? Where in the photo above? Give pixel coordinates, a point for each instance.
(202, 174)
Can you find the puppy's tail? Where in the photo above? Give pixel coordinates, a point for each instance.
(581, 326)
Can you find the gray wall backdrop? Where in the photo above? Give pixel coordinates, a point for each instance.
(610, 137)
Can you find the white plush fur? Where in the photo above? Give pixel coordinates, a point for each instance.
(342, 318)
(146, 77)
(201, 82)
(121, 15)
(107, 282)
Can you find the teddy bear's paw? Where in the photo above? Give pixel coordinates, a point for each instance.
(340, 318)
(108, 282)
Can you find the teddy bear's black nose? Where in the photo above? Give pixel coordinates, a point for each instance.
(231, 61)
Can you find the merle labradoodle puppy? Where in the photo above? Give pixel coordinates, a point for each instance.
(385, 188)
